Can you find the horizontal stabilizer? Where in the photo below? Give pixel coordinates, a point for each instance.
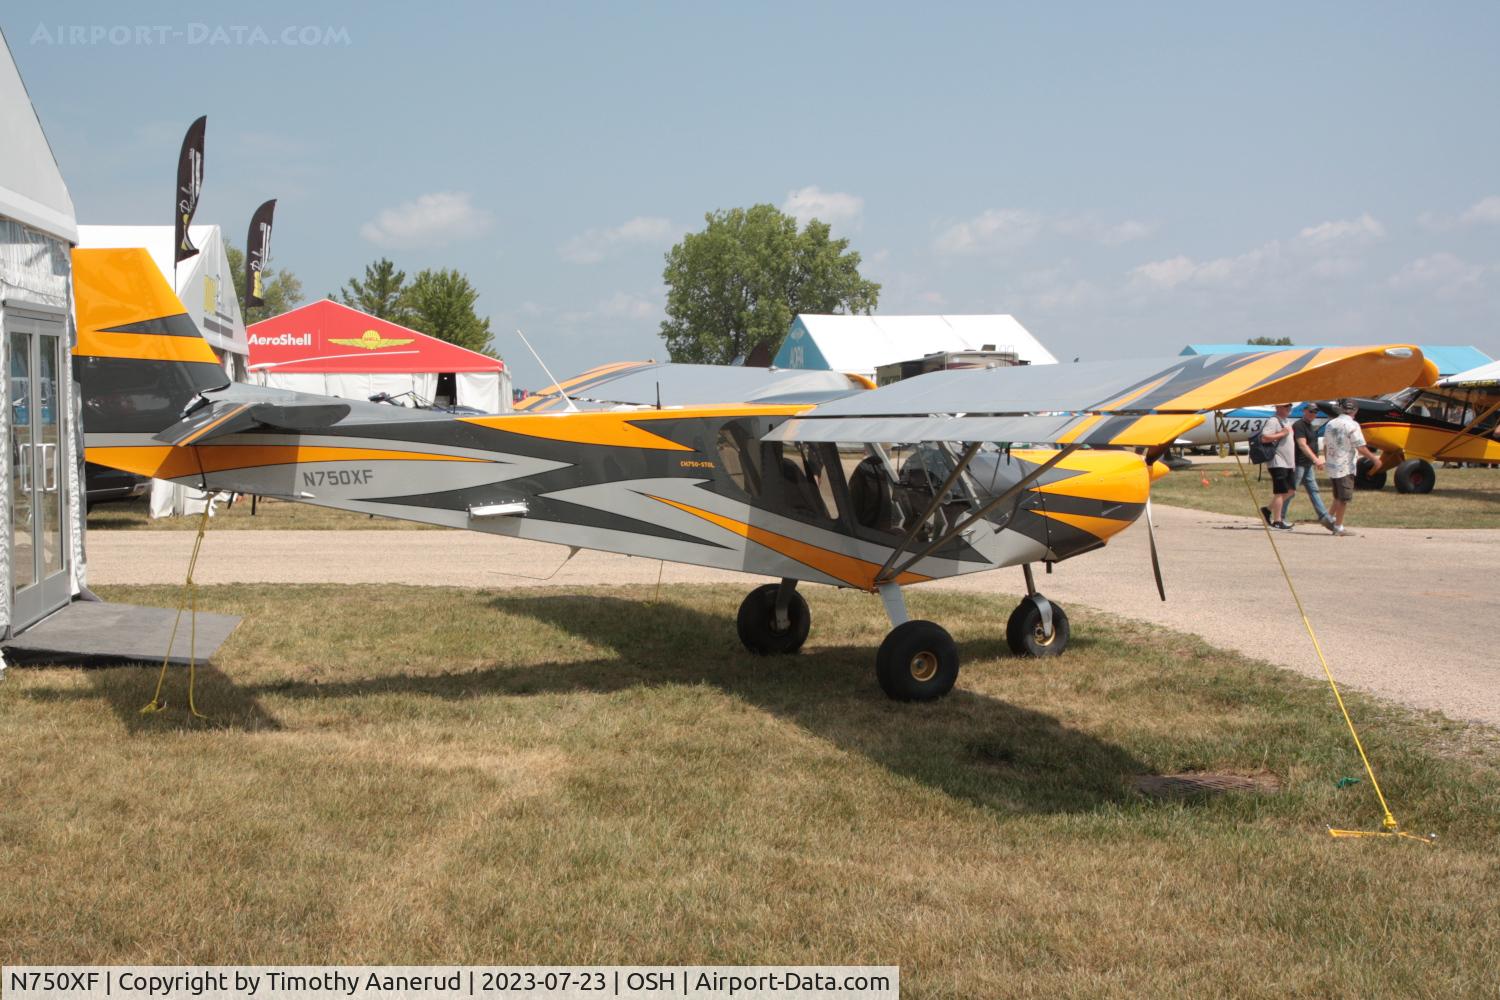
(224, 418)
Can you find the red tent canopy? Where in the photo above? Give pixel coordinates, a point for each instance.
(326, 336)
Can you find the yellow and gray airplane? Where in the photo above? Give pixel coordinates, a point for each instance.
(804, 476)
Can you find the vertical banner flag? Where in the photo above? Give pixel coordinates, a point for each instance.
(257, 253)
(189, 186)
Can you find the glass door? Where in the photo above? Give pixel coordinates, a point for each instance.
(38, 494)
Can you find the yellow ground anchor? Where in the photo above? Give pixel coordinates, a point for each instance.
(190, 600)
(1389, 826)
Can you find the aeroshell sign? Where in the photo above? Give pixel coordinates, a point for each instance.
(329, 337)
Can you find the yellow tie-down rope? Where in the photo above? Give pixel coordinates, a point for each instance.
(1390, 828)
(189, 599)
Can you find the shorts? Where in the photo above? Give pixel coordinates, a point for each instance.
(1283, 481)
(1343, 488)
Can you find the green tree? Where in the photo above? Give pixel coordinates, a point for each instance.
(441, 304)
(740, 282)
(280, 289)
(1270, 341)
(380, 294)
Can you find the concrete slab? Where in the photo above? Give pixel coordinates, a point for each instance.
(93, 631)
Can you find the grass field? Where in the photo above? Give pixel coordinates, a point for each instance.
(269, 514)
(1463, 498)
(418, 775)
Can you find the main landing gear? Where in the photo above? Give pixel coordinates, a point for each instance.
(774, 619)
(918, 661)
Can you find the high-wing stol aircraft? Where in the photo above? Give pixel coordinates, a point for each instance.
(806, 477)
(1457, 419)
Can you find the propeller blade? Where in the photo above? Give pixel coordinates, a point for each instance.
(1161, 588)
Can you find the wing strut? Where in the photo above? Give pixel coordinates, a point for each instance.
(937, 499)
(886, 575)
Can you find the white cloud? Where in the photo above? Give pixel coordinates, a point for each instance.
(996, 229)
(619, 306)
(832, 207)
(430, 220)
(1093, 230)
(1442, 274)
(1001, 230)
(593, 245)
(1165, 273)
(1326, 251)
(1342, 231)
(623, 304)
(1483, 211)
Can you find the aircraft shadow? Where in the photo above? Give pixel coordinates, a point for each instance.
(226, 704)
(1482, 496)
(983, 750)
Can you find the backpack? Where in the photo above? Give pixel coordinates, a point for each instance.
(1261, 450)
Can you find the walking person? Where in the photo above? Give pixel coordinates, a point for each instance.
(1278, 431)
(1308, 462)
(1343, 444)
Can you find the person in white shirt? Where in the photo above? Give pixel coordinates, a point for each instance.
(1283, 463)
(1343, 444)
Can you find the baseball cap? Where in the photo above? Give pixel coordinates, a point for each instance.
(1348, 406)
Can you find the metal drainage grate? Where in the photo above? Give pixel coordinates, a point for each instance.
(1165, 786)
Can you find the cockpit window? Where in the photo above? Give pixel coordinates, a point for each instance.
(739, 457)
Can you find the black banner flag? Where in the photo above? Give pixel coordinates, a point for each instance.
(258, 253)
(189, 186)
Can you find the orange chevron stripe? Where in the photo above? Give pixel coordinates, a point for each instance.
(148, 347)
(617, 428)
(1099, 527)
(208, 427)
(1155, 429)
(169, 462)
(851, 570)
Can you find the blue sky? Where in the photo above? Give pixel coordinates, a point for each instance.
(1124, 179)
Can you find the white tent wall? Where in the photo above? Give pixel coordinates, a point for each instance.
(487, 391)
(37, 231)
(351, 386)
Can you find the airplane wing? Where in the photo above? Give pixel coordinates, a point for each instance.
(1119, 403)
(1483, 377)
(646, 383)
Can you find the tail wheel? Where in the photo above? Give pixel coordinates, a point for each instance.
(1364, 480)
(757, 622)
(1026, 636)
(918, 661)
(1415, 476)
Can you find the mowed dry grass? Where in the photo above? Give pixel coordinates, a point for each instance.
(418, 775)
(1462, 498)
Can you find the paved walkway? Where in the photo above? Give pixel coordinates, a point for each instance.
(1407, 614)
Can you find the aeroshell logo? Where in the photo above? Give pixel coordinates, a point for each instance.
(283, 340)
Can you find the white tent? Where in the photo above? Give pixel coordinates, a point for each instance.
(204, 283)
(860, 344)
(41, 508)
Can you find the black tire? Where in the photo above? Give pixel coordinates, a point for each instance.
(757, 622)
(918, 661)
(1362, 478)
(1023, 632)
(1415, 476)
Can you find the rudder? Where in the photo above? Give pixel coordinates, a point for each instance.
(139, 356)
